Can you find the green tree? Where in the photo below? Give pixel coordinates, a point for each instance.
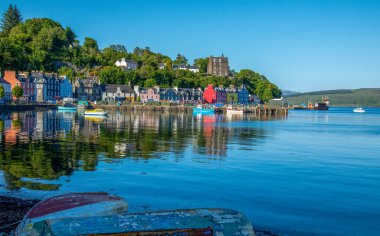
(113, 53)
(1, 91)
(180, 60)
(168, 63)
(17, 92)
(118, 48)
(90, 55)
(66, 71)
(70, 36)
(202, 63)
(90, 45)
(10, 19)
(150, 82)
(112, 75)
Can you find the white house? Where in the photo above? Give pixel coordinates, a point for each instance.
(180, 67)
(7, 89)
(161, 66)
(193, 69)
(126, 64)
(117, 92)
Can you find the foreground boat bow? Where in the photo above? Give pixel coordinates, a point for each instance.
(69, 206)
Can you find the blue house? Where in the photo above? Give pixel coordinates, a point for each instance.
(169, 94)
(51, 87)
(65, 87)
(243, 95)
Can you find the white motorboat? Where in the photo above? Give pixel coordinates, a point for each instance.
(359, 110)
(231, 110)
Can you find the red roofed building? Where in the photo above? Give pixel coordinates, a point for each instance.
(210, 94)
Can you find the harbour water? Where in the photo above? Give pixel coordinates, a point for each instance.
(310, 173)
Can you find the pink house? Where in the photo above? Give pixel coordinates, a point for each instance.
(150, 94)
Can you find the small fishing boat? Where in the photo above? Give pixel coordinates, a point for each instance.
(359, 110)
(67, 107)
(95, 112)
(231, 110)
(70, 206)
(203, 110)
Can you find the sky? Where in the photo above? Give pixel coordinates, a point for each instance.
(304, 45)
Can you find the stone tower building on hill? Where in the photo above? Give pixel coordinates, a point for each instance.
(218, 66)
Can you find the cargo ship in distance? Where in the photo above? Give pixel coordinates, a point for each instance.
(322, 106)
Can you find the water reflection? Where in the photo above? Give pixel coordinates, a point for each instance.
(46, 145)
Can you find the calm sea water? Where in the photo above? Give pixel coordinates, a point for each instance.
(311, 173)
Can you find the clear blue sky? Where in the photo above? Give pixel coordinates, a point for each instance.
(303, 45)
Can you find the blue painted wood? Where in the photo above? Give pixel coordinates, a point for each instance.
(211, 221)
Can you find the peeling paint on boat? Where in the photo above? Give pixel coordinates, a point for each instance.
(221, 222)
(69, 206)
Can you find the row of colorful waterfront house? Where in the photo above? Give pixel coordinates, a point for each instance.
(49, 87)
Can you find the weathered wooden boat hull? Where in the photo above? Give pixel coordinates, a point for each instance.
(70, 206)
(178, 222)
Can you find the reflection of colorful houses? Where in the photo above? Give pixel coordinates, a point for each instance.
(12, 130)
(215, 136)
(209, 94)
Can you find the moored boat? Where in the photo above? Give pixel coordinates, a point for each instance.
(95, 112)
(67, 107)
(231, 110)
(203, 110)
(359, 110)
(70, 206)
(321, 106)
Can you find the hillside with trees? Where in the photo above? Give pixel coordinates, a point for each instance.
(344, 97)
(44, 44)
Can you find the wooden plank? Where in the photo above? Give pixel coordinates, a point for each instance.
(212, 221)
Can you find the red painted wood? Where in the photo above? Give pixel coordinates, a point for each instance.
(210, 94)
(68, 201)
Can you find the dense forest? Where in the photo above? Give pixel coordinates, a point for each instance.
(43, 44)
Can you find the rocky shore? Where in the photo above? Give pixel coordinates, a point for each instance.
(12, 210)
